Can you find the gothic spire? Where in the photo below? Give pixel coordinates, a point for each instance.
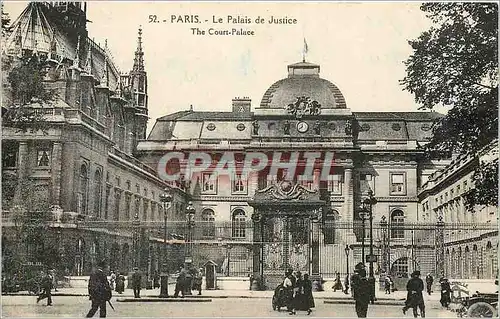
(76, 60)
(104, 78)
(139, 54)
(88, 64)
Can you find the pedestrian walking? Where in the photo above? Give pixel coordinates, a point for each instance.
(112, 279)
(180, 283)
(414, 298)
(361, 293)
(99, 291)
(198, 280)
(288, 285)
(346, 284)
(445, 292)
(46, 288)
(429, 280)
(120, 283)
(355, 278)
(337, 285)
(388, 284)
(156, 279)
(304, 298)
(54, 279)
(136, 282)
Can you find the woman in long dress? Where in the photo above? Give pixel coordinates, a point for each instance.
(304, 298)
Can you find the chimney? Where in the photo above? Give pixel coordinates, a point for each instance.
(242, 105)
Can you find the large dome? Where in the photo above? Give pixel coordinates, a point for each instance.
(303, 80)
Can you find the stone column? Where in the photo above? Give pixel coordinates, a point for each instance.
(348, 194)
(56, 173)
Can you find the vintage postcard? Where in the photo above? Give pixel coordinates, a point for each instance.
(266, 159)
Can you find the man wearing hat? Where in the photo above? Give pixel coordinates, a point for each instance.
(136, 282)
(415, 298)
(355, 278)
(99, 290)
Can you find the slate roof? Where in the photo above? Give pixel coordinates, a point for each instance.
(408, 116)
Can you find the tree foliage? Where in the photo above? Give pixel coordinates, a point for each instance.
(455, 64)
(29, 95)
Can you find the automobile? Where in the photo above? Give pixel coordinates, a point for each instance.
(479, 305)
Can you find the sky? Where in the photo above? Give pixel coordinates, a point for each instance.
(360, 47)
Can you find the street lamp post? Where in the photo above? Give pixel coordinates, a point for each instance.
(166, 200)
(367, 211)
(136, 224)
(346, 250)
(188, 258)
(383, 227)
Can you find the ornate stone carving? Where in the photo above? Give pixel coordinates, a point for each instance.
(286, 127)
(303, 106)
(286, 190)
(255, 126)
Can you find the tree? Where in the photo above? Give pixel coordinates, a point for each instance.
(28, 93)
(455, 64)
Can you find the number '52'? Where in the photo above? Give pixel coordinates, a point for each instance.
(153, 18)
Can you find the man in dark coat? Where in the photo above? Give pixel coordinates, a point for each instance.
(46, 288)
(445, 292)
(136, 283)
(355, 278)
(180, 283)
(429, 280)
(415, 298)
(361, 293)
(99, 291)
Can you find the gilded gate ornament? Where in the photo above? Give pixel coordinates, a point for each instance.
(304, 106)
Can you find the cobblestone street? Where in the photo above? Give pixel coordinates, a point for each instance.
(222, 305)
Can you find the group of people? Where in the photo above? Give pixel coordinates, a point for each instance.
(298, 292)
(188, 279)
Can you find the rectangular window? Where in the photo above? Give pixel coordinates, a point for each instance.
(153, 211)
(106, 203)
(9, 155)
(209, 183)
(239, 184)
(145, 212)
(43, 158)
(127, 206)
(398, 184)
(335, 184)
(367, 183)
(118, 197)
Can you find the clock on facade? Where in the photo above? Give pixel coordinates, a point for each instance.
(302, 127)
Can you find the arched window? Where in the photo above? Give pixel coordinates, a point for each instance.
(399, 268)
(239, 224)
(453, 270)
(80, 257)
(397, 224)
(447, 263)
(97, 193)
(459, 263)
(83, 190)
(208, 225)
(467, 271)
(474, 263)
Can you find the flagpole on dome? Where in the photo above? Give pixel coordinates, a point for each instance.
(304, 52)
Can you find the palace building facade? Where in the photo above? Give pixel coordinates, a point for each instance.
(93, 179)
